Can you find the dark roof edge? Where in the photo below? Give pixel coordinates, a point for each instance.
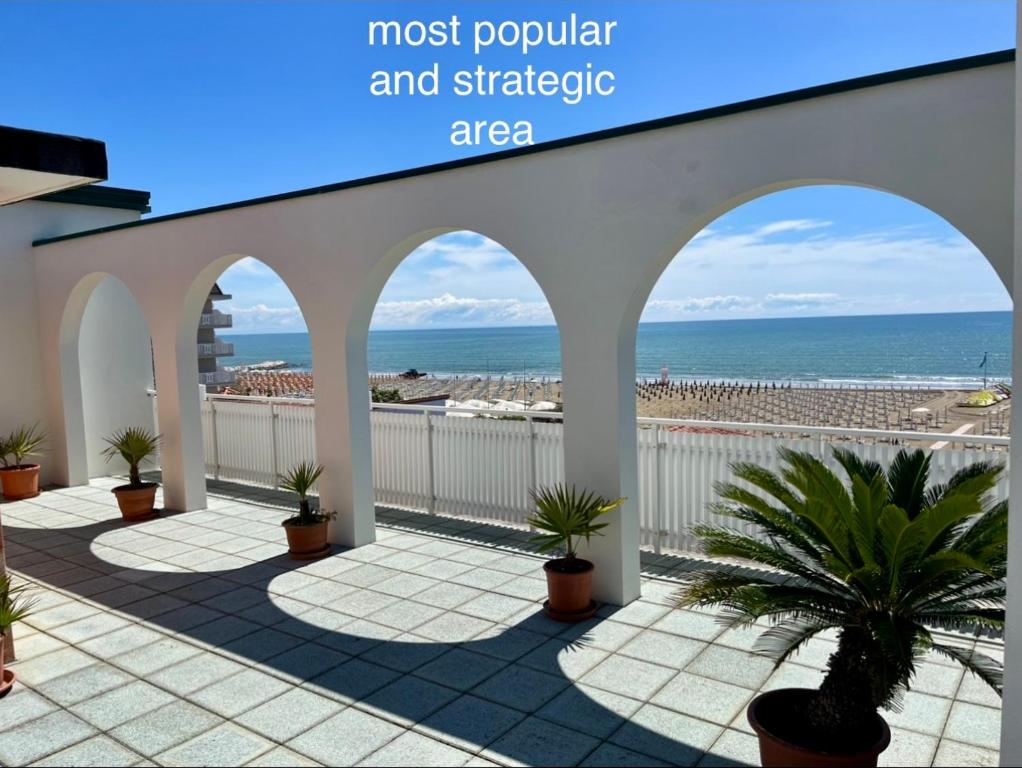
(102, 197)
(763, 102)
(55, 153)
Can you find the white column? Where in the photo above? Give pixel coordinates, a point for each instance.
(600, 441)
(343, 436)
(1011, 704)
(178, 410)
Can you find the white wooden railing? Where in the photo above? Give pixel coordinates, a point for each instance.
(428, 458)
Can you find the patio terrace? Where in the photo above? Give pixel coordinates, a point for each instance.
(192, 639)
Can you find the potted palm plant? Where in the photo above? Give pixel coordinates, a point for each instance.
(306, 531)
(877, 556)
(565, 517)
(135, 445)
(15, 605)
(20, 480)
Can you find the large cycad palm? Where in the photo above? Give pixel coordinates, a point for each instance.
(881, 557)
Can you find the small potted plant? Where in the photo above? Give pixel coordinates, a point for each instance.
(878, 557)
(135, 445)
(15, 605)
(18, 479)
(566, 516)
(306, 531)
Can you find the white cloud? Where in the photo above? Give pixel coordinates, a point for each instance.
(451, 311)
(781, 299)
(790, 225)
(263, 318)
(734, 305)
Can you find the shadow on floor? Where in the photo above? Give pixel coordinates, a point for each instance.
(362, 681)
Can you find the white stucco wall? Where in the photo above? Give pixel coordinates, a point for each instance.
(22, 400)
(1011, 734)
(116, 370)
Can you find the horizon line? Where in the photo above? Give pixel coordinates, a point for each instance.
(651, 322)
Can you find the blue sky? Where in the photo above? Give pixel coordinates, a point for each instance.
(203, 103)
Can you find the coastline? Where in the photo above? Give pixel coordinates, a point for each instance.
(889, 407)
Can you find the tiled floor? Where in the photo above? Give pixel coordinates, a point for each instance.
(192, 640)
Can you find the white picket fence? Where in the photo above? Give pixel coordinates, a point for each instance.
(428, 458)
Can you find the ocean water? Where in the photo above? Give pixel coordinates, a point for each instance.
(932, 349)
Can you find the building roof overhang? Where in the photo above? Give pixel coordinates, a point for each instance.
(34, 163)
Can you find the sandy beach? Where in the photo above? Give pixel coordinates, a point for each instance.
(886, 408)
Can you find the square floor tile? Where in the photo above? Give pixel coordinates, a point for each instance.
(38, 670)
(305, 662)
(507, 643)
(703, 698)
(920, 712)
(540, 742)
(346, 738)
(405, 615)
(225, 745)
(358, 636)
(559, 657)
(628, 677)
(405, 652)
(21, 705)
(609, 755)
(120, 705)
(693, 624)
(413, 749)
(195, 673)
(37, 738)
(730, 665)
(470, 723)
(908, 748)
(448, 595)
(975, 725)
(494, 607)
(97, 751)
(161, 729)
(460, 669)
(521, 688)
(293, 712)
(952, 753)
(666, 735)
(408, 700)
(453, 628)
(83, 684)
(281, 757)
(589, 710)
(238, 693)
(261, 645)
(733, 748)
(353, 680)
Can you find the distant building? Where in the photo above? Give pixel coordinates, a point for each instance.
(211, 349)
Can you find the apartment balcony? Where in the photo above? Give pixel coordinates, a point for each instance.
(216, 377)
(216, 320)
(216, 348)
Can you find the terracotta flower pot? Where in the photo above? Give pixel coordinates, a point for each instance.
(570, 589)
(307, 542)
(773, 716)
(21, 482)
(136, 502)
(7, 676)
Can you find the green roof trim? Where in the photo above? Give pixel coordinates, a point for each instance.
(750, 105)
(101, 197)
